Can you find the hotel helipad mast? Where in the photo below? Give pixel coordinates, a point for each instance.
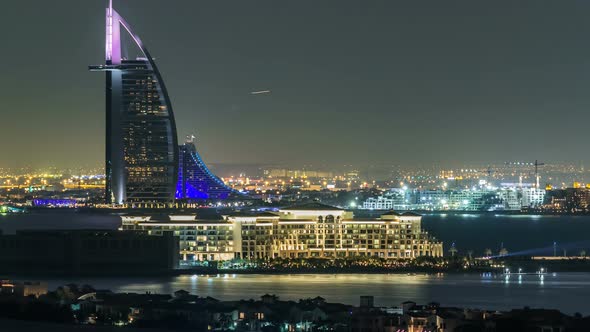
(141, 141)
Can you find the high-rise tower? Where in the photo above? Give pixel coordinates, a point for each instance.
(141, 141)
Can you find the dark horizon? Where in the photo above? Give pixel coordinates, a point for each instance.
(428, 83)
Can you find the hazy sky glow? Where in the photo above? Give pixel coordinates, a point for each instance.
(351, 81)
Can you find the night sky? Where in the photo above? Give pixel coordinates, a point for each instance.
(355, 82)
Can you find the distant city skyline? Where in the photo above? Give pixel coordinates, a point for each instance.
(391, 83)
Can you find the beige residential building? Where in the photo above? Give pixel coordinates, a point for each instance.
(199, 240)
(309, 230)
(318, 230)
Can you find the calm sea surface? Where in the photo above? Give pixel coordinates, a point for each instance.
(568, 292)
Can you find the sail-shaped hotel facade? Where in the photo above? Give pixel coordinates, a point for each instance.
(142, 151)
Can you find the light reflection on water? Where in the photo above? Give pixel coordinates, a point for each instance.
(565, 291)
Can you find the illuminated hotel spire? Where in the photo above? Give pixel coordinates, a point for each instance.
(144, 165)
(109, 34)
(141, 163)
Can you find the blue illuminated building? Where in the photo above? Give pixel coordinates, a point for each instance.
(144, 165)
(195, 180)
(54, 202)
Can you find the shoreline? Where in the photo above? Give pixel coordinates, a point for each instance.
(216, 272)
(110, 211)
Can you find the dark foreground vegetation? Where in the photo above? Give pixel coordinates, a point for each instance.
(75, 308)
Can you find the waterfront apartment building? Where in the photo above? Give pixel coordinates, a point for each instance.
(310, 230)
(393, 199)
(199, 240)
(532, 197)
(399, 199)
(569, 199)
(473, 199)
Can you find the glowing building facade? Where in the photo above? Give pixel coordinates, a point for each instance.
(141, 141)
(195, 180)
(310, 230)
(145, 166)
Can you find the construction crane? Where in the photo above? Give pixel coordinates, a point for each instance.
(537, 164)
(489, 171)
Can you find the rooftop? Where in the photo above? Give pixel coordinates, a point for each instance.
(313, 207)
(253, 214)
(404, 214)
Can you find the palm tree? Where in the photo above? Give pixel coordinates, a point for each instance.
(583, 253)
(453, 250)
(503, 251)
(488, 252)
(470, 254)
